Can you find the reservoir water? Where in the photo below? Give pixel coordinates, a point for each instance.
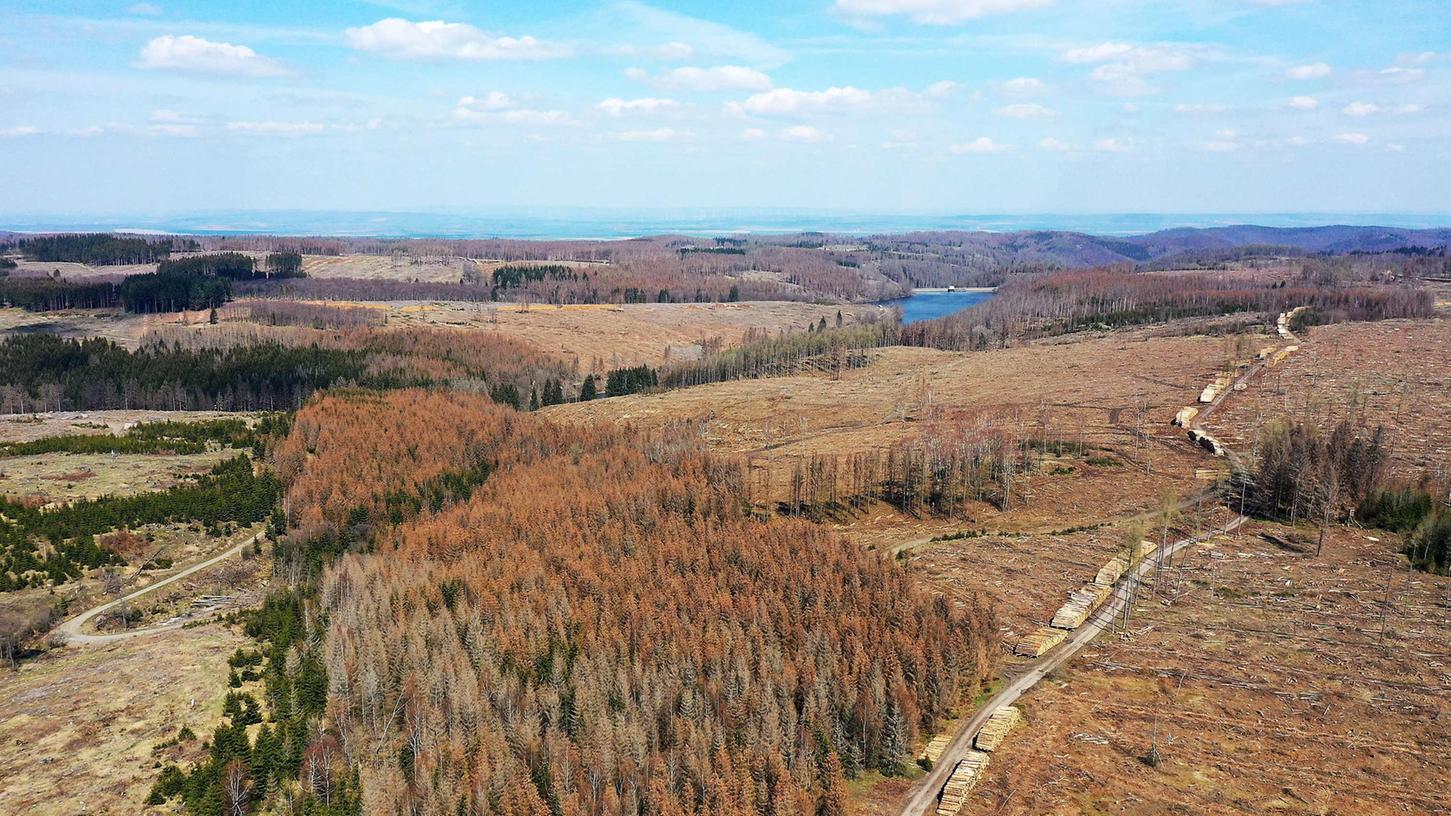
(929, 304)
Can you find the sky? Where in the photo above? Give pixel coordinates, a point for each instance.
(891, 106)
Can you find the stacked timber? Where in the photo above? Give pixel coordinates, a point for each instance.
(1146, 548)
(935, 747)
(1265, 352)
(996, 729)
(1209, 393)
(1070, 616)
(960, 784)
(1185, 416)
(1110, 573)
(1038, 642)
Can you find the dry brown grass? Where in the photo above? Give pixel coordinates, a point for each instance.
(65, 477)
(112, 324)
(1269, 686)
(27, 427)
(80, 726)
(1089, 391)
(604, 336)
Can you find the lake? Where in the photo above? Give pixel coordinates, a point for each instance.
(929, 304)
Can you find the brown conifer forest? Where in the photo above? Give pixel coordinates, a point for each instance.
(643, 646)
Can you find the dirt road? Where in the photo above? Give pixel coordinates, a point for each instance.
(71, 632)
(922, 797)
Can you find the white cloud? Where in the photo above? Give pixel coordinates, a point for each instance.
(1353, 139)
(791, 102)
(786, 101)
(753, 134)
(277, 128)
(1405, 109)
(982, 145)
(1026, 111)
(1360, 109)
(1422, 58)
(188, 53)
(941, 89)
(1122, 67)
(619, 107)
(663, 134)
(1304, 103)
(716, 78)
(1199, 109)
(1055, 145)
(804, 133)
(438, 40)
(936, 12)
(1397, 73)
(1111, 146)
(145, 8)
(667, 51)
(19, 130)
(1315, 70)
(499, 107)
(492, 101)
(711, 39)
(1024, 86)
(1221, 146)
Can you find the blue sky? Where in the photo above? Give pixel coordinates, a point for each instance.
(928, 106)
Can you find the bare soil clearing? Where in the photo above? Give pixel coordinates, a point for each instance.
(80, 726)
(1271, 681)
(27, 427)
(65, 477)
(1396, 374)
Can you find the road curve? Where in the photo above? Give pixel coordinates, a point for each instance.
(922, 797)
(71, 633)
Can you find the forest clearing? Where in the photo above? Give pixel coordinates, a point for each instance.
(974, 497)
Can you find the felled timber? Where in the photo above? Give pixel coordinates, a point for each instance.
(996, 729)
(935, 747)
(1039, 641)
(964, 777)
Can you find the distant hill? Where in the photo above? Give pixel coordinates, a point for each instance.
(1334, 239)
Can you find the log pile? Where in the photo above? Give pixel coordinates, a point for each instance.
(996, 729)
(935, 746)
(1038, 642)
(960, 784)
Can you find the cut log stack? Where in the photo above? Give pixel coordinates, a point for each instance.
(1038, 642)
(935, 748)
(1110, 573)
(1185, 416)
(996, 729)
(960, 784)
(1081, 604)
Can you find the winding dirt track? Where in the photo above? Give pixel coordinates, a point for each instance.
(71, 632)
(922, 797)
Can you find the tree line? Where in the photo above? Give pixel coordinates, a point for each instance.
(101, 249)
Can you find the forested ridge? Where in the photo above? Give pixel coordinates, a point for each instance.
(259, 367)
(645, 647)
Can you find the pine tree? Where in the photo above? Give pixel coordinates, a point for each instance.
(587, 390)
